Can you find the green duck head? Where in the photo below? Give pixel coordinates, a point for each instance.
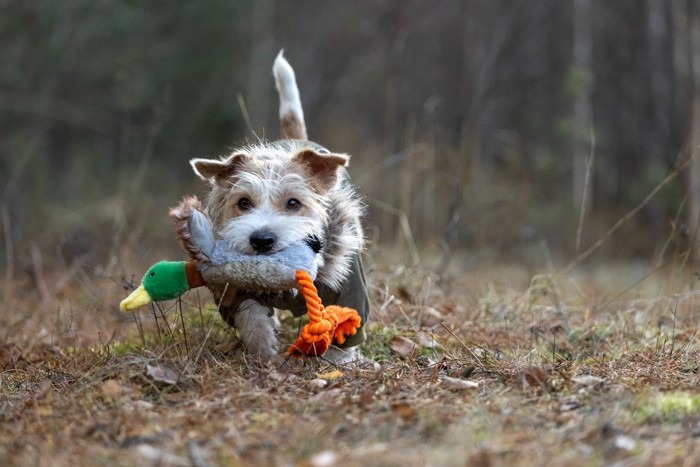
(163, 281)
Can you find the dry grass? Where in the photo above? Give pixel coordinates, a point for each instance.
(570, 370)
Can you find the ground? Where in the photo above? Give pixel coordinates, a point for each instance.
(497, 365)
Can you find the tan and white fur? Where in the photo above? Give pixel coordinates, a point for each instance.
(268, 195)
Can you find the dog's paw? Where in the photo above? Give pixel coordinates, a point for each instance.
(257, 327)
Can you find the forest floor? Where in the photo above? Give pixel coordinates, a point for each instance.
(494, 366)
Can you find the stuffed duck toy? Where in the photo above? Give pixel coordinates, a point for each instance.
(214, 262)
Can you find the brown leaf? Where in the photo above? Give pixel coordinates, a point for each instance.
(111, 389)
(425, 339)
(162, 374)
(365, 398)
(431, 316)
(403, 410)
(458, 384)
(323, 459)
(318, 383)
(588, 380)
(402, 345)
(405, 294)
(570, 403)
(330, 376)
(535, 376)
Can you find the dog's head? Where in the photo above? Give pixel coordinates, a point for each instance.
(265, 197)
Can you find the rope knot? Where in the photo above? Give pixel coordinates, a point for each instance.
(326, 324)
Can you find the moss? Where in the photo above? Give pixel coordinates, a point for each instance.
(119, 349)
(666, 407)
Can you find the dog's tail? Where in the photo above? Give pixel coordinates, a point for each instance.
(291, 114)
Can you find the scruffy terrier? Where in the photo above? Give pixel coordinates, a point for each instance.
(266, 196)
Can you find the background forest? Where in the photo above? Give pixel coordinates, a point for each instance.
(474, 122)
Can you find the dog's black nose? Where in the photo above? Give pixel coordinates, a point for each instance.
(262, 240)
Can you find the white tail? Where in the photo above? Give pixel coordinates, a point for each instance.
(291, 113)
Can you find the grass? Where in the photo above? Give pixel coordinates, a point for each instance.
(568, 371)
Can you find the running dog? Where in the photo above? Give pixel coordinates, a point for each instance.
(266, 196)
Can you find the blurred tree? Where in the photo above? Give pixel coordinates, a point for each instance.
(469, 123)
(690, 69)
(581, 82)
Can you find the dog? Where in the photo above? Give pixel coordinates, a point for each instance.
(266, 196)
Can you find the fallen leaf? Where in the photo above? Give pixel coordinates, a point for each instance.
(625, 443)
(535, 376)
(335, 374)
(365, 398)
(431, 316)
(323, 459)
(425, 339)
(458, 384)
(403, 410)
(318, 383)
(569, 403)
(139, 405)
(43, 389)
(281, 377)
(162, 374)
(402, 345)
(327, 395)
(111, 389)
(161, 456)
(588, 380)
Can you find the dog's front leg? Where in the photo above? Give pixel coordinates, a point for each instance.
(257, 327)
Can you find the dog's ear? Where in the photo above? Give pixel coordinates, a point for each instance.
(323, 167)
(217, 171)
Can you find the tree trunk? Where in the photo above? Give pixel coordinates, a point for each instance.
(260, 66)
(581, 81)
(692, 145)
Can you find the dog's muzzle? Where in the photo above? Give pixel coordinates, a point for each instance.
(262, 241)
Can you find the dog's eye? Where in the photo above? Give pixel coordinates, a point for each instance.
(293, 204)
(244, 204)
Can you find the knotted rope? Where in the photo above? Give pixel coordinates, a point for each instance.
(327, 325)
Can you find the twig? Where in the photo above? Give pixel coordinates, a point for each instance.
(244, 112)
(38, 270)
(137, 318)
(483, 368)
(196, 455)
(405, 226)
(586, 190)
(673, 329)
(580, 257)
(182, 322)
(201, 346)
(9, 254)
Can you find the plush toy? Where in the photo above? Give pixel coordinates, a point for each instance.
(215, 262)
(168, 279)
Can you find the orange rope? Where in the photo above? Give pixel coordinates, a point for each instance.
(326, 324)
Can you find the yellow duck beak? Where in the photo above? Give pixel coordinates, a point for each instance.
(137, 299)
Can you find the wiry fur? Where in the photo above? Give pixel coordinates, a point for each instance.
(258, 328)
(180, 215)
(268, 175)
(291, 113)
